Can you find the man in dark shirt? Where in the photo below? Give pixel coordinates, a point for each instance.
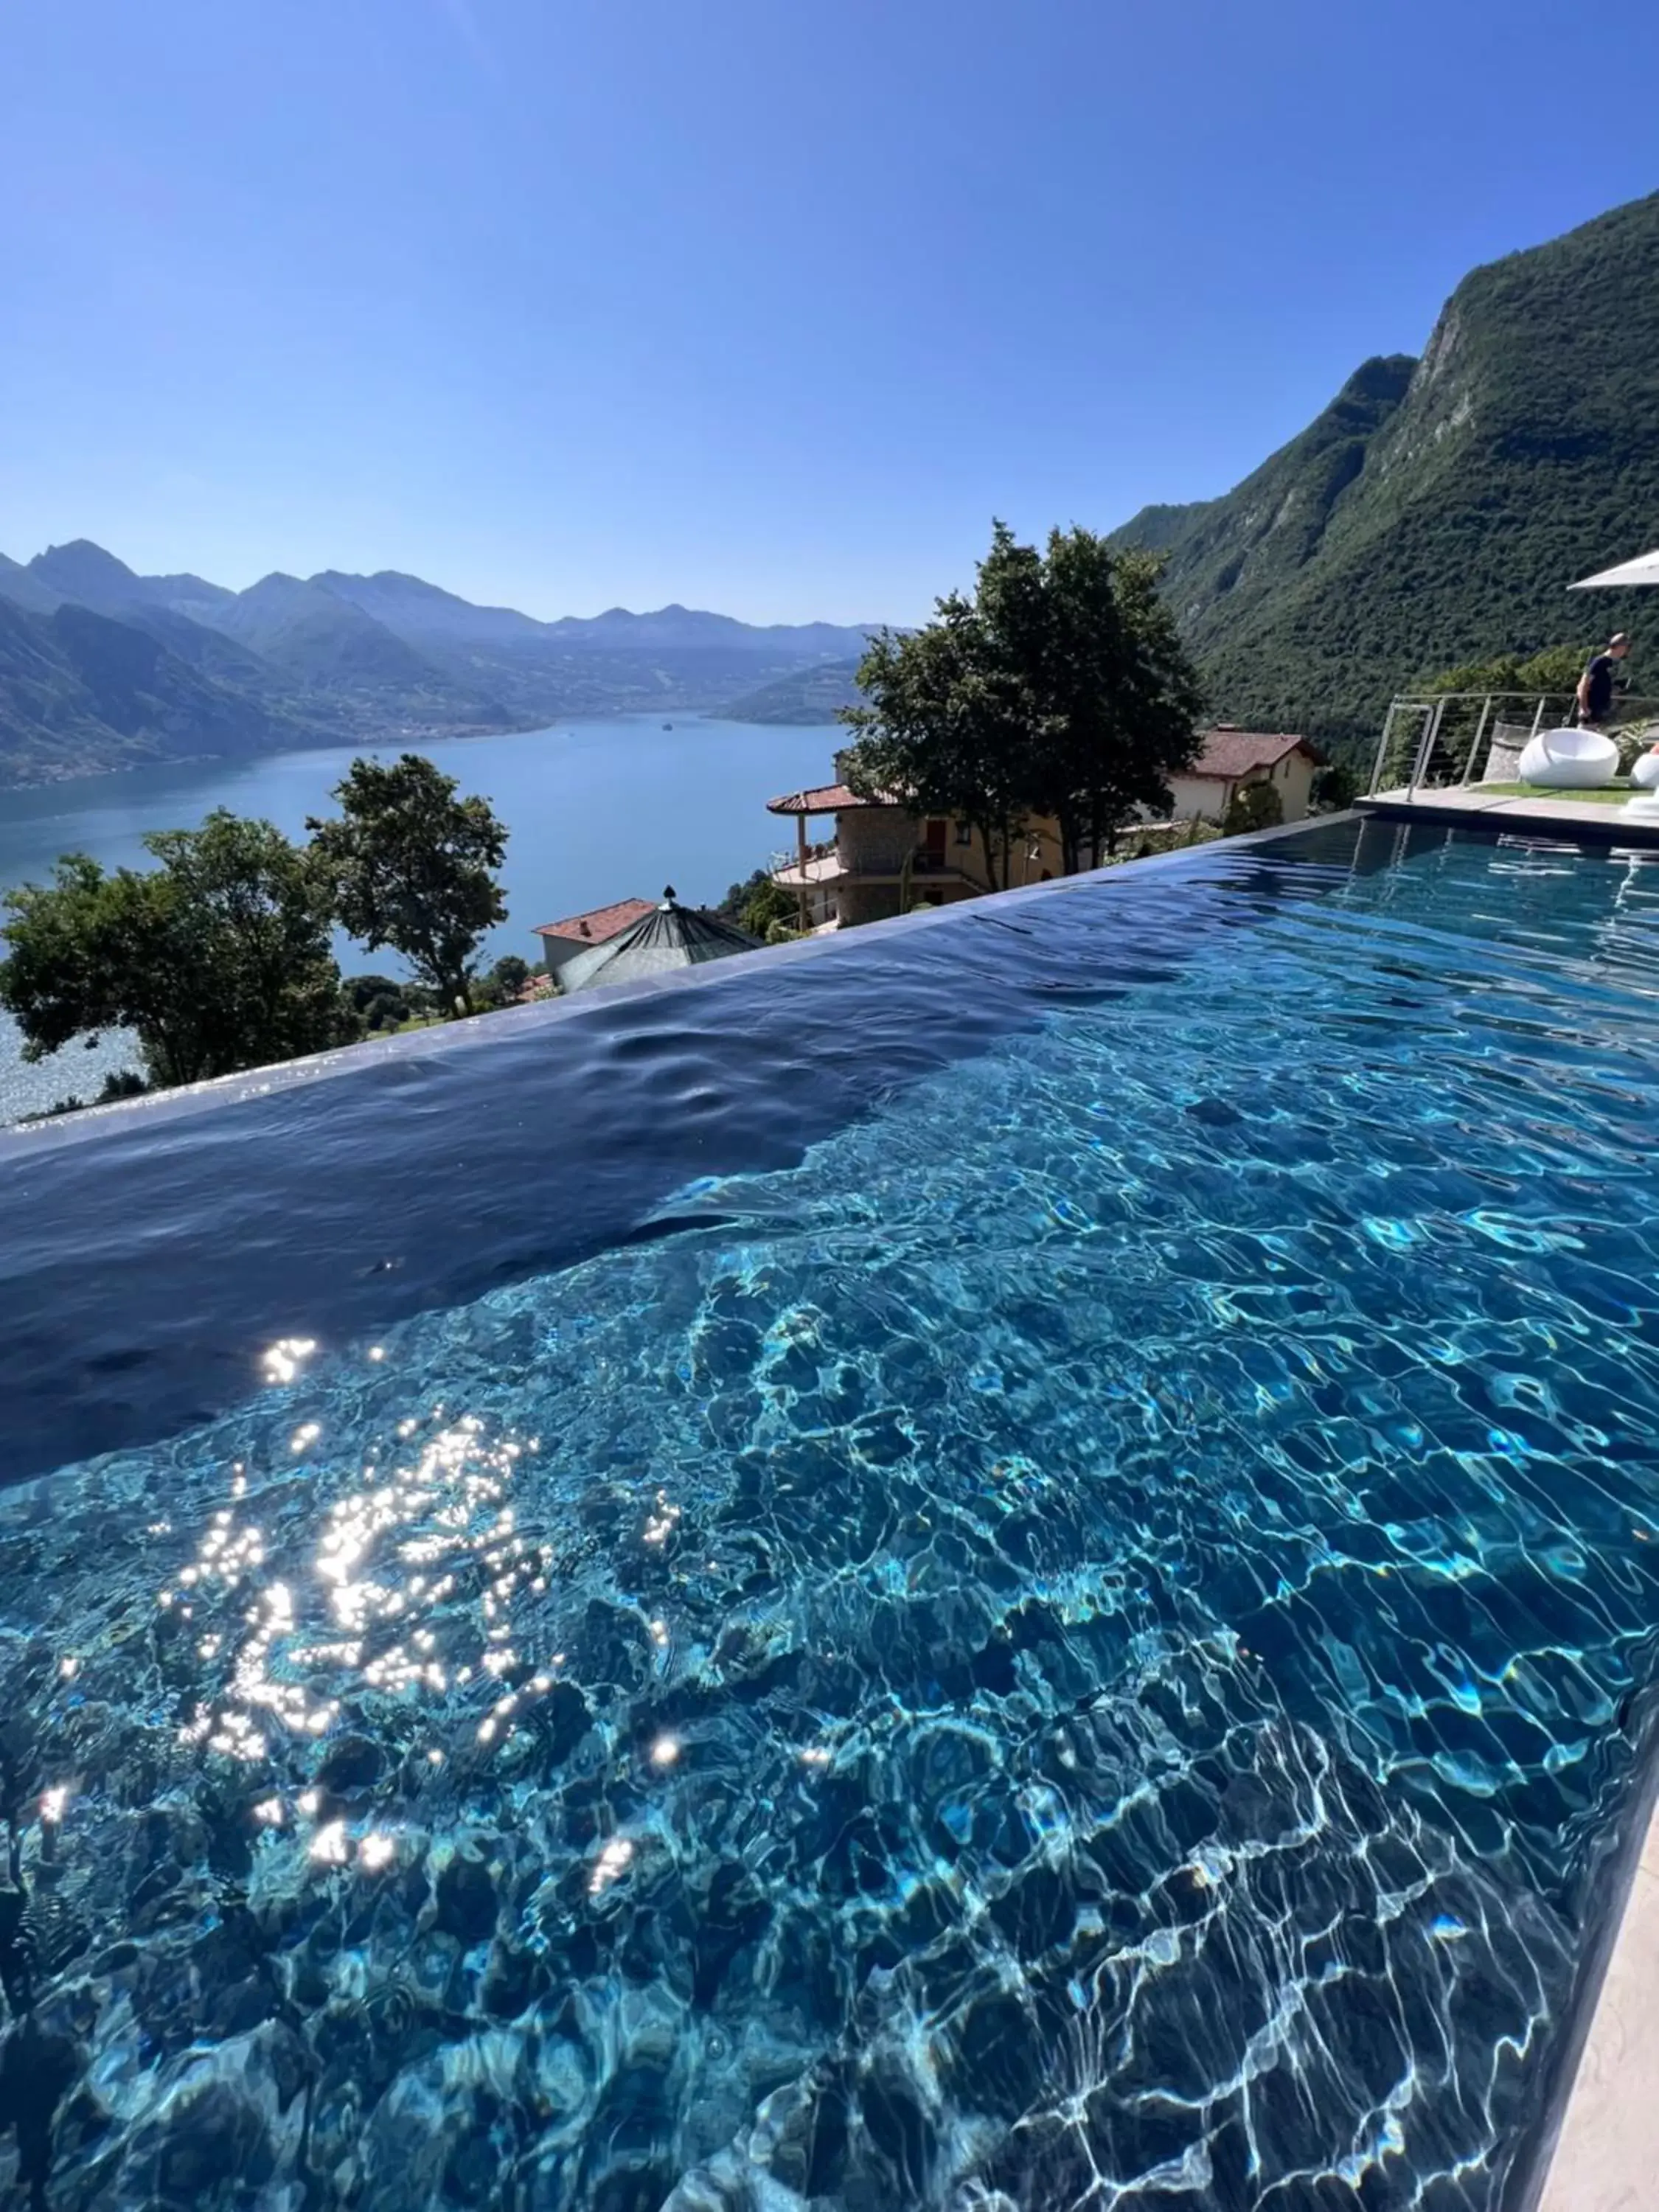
(1596, 684)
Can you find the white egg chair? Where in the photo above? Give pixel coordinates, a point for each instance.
(1644, 776)
(1568, 759)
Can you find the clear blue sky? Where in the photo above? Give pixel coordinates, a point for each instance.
(761, 305)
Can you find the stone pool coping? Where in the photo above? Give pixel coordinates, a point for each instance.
(1602, 2153)
(1584, 820)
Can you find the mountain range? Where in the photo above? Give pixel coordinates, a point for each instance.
(102, 668)
(1436, 511)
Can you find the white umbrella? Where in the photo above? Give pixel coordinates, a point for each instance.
(1642, 571)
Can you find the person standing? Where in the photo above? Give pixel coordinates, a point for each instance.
(1596, 684)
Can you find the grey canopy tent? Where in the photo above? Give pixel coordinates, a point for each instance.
(671, 936)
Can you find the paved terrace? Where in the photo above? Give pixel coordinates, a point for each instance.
(1542, 814)
(1606, 2155)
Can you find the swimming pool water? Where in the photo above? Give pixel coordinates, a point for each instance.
(1087, 1642)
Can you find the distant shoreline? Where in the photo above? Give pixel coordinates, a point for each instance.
(409, 740)
(273, 752)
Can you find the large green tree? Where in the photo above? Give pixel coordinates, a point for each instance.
(1061, 689)
(1116, 700)
(410, 864)
(947, 727)
(216, 959)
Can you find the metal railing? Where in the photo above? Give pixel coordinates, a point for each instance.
(1435, 739)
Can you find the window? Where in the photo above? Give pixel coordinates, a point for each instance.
(965, 833)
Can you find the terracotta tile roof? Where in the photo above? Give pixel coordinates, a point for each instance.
(823, 799)
(1229, 753)
(599, 922)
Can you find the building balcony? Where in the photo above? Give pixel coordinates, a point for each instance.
(815, 873)
(823, 871)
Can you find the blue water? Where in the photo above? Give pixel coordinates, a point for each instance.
(1079, 1636)
(595, 811)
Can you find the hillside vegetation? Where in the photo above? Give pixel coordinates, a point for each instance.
(1436, 511)
(78, 691)
(808, 697)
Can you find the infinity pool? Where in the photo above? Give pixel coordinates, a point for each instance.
(1014, 1563)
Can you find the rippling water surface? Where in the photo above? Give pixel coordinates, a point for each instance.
(1079, 1640)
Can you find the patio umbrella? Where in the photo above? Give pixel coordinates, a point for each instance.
(1644, 570)
(671, 936)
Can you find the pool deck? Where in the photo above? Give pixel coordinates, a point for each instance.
(1605, 2157)
(1470, 807)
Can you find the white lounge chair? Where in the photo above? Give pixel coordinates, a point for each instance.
(1568, 759)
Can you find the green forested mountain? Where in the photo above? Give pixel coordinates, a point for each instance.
(807, 697)
(79, 691)
(1437, 510)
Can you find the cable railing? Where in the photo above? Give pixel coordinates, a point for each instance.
(1442, 739)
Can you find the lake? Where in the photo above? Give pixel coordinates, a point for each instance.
(598, 811)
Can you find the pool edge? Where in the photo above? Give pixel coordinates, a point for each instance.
(1575, 821)
(1603, 2070)
(19, 1140)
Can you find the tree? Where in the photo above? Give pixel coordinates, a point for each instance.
(410, 866)
(758, 903)
(380, 1002)
(1554, 668)
(768, 905)
(217, 959)
(1119, 699)
(1336, 786)
(946, 728)
(1253, 807)
(732, 906)
(508, 977)
(1062, 689)
(124, 1083)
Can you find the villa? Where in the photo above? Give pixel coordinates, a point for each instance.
(884, 859)
(1232, 759)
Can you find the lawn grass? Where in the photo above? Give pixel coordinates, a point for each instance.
(1607, 795)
